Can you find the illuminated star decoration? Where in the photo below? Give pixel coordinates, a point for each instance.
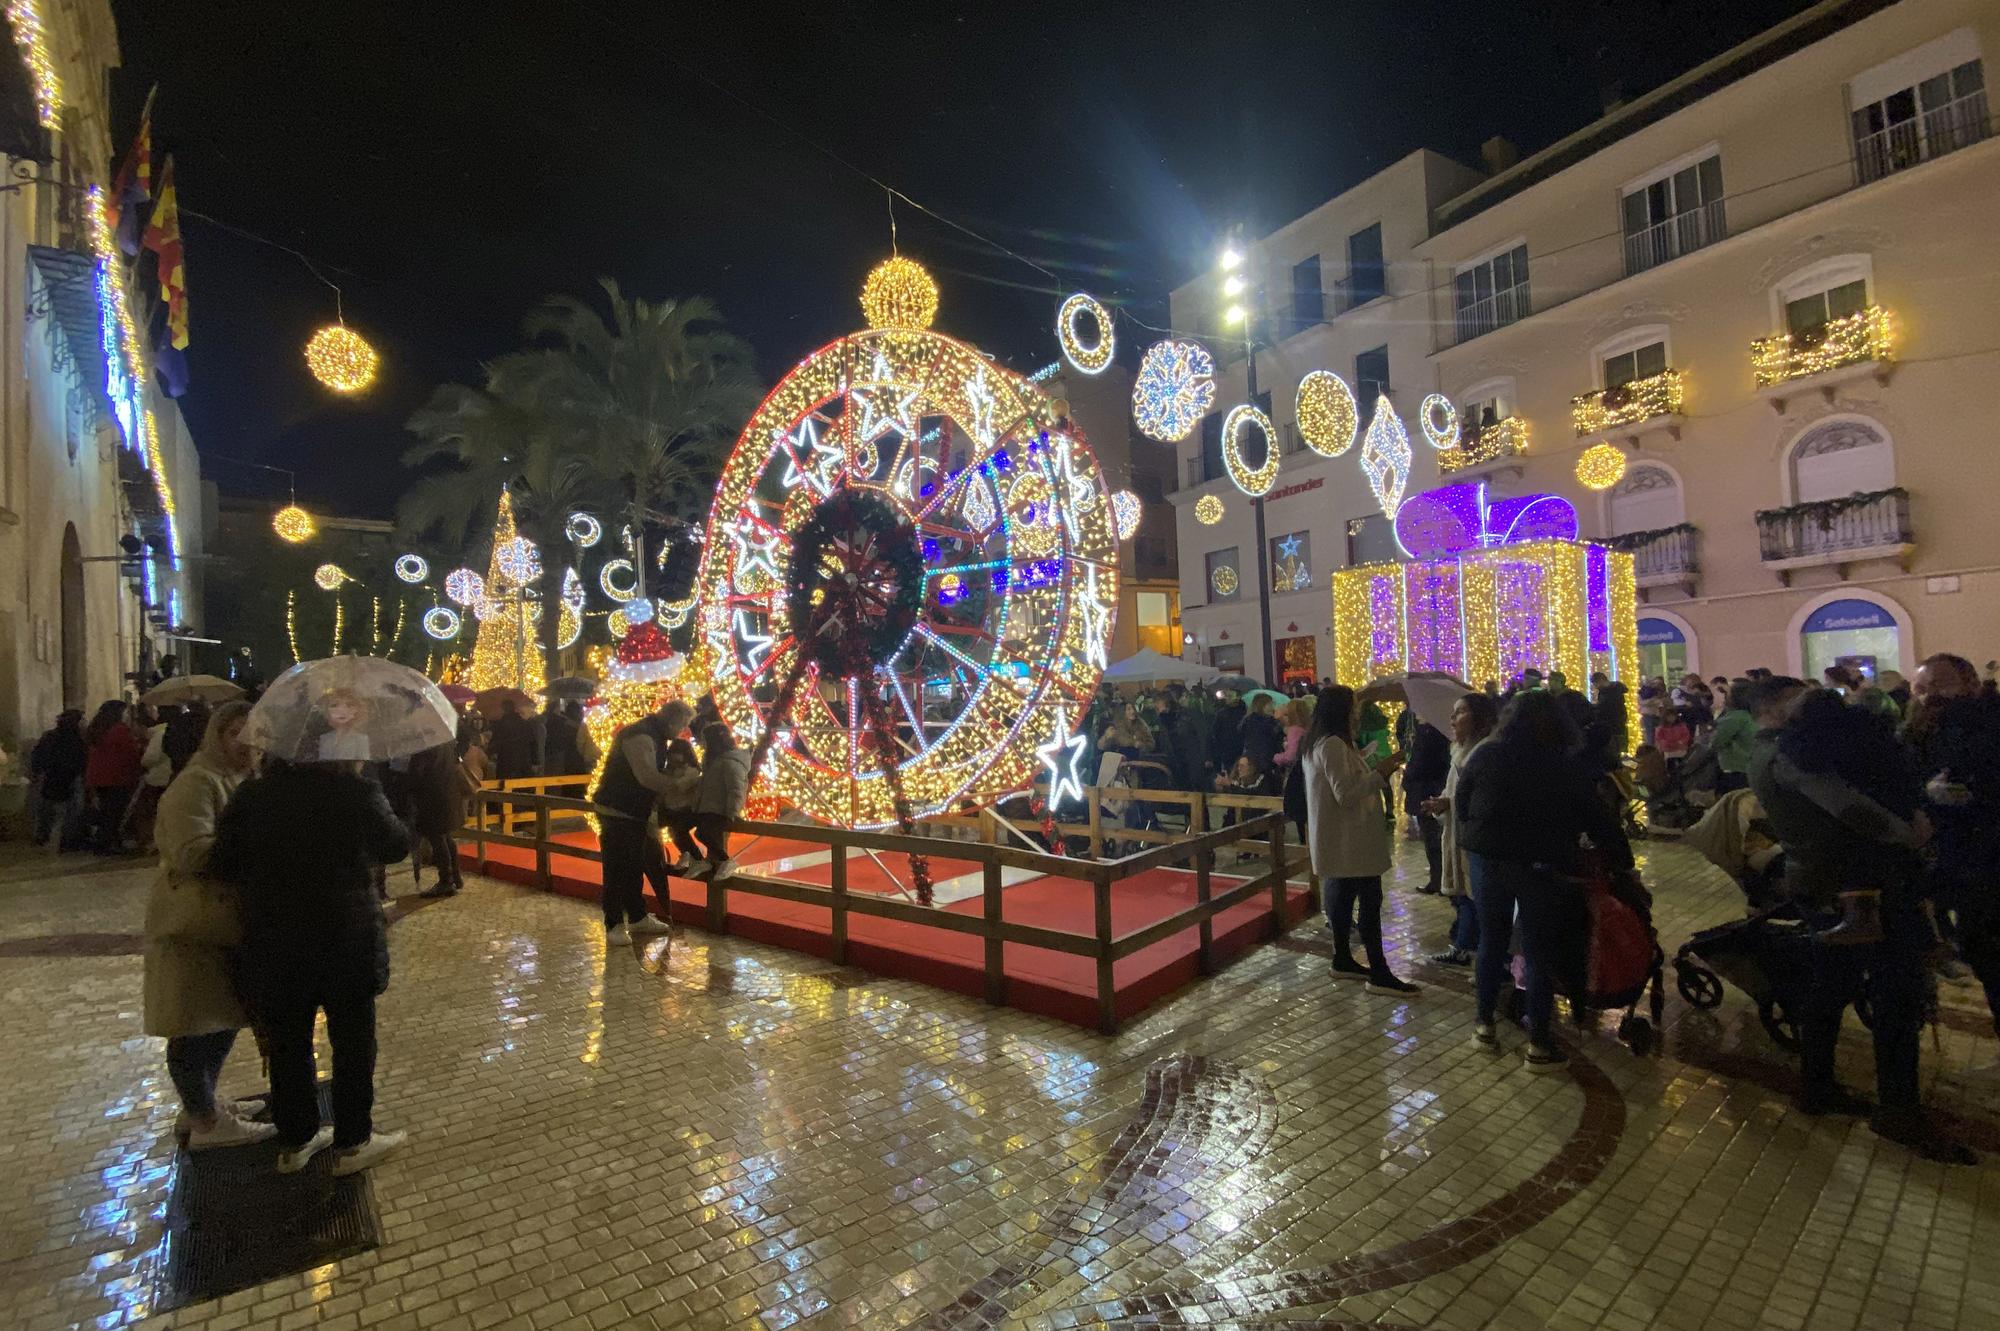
(1173, 390)
(1289, 547)
(1062, 782)
(752, 556)
(1385, 457)
(980, 398)
(1094, 621)
(875, 422)
(756, 646)
(822, 460)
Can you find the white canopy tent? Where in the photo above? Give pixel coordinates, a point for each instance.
(1147, 666)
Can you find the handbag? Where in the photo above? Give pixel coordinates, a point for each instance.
(194, 910)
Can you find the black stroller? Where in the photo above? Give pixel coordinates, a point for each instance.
(1676, 798)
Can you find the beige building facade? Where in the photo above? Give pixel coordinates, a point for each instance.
(1762, 298)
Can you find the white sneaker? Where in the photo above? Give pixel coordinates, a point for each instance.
(614, 933)
(726, 869)
(291, 1162)
(376, 1149)
(701, 869)
(243, 1109)
(650, 924)
(229, 1130)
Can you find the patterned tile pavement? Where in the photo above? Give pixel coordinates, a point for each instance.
(701, 1132)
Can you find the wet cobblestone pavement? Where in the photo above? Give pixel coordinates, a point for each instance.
(700, 1131)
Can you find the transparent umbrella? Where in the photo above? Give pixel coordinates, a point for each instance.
(350, 709)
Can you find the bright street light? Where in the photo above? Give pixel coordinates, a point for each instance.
(1235, 314)
(1230, 258)
(1233, 285)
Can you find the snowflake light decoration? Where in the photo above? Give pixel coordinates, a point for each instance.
(518, 560)
(1174, 390)
(464, 586)
(1125, 513)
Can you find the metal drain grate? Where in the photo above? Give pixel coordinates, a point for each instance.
(234, 1221)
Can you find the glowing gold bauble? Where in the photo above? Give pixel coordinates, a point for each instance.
(341, 359)
(1208, 510)
(899, 294)
(1328, 417)
(329, 576)
(1224, 580)
(1601, 466)
(293, 524)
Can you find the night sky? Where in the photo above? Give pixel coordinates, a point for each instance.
(448, 165)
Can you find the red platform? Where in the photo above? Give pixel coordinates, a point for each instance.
(1039, 980)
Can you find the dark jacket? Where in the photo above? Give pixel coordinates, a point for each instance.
(1262, 738)
(1225, 736)
(1836, 838)
(57, 761)
(1960, 739)
(513, 746)
(1178, 746)
(559, 740)
(1428, 765)
(437, 792)
(1518, 801)
(618, 788)
(301, 845)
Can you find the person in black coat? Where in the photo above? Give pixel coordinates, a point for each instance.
(1225, 733)
(1262, 735)
(438, 787)
(55, 767)
(1177, 743)
(301, 844)
(1424, 775)
(514, 743)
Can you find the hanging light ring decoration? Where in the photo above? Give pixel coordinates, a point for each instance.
(1254, 481)
(442, 622)
(619, 579)
(953, 623)
(1329, 421)
(1089, 357)
(1439, 419)
(412, 568)
(583, 530)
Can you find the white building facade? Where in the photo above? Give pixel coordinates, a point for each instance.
(1763, 294)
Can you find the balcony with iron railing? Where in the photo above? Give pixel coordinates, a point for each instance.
(1480, 447)
(1683, 233)
(1629, 408)
(1907, 143)
(1488, 313)
(1853, 346)
(1837, 532)
(1662, 558)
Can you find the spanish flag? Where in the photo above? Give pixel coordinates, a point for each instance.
(163, 238)
(133, 186)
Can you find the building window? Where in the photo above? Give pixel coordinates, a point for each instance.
(1228, 658)
(1810, 312)
(1291, 562)
(1371, 380)
(1225, 579)
(1638, 363)
(1308, 299)
(1647, 499)
(1491, 293)
(1839, 458)
(1674, 215)
(1366, 275)
(1150, 553)
(1157, 627)
(1211, 448)
(1926, 119)
(1371, 540)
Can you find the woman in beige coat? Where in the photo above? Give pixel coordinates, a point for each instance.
(191, 931)
(1347, 830)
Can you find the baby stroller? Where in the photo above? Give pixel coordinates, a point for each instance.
(1121, 778)
(1677, 797)
(1622, 962)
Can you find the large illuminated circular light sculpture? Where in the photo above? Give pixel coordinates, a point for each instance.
(1601, 466)
(584, 530)
(1253, 481)
(1329, 421)
(1439, 420)
(442, 622)
(341, 359)
(293, 524)
(1174, 389)
(519, 560)
(464, 586)
(899, 651)
(619, 579)
(1089, 357)
(412, 568)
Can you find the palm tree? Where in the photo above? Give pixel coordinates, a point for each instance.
(622, 414)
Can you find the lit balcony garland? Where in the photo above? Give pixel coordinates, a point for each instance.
(1502, 439)
(125, 366)
(25, 18)
(1208, 510)
(1329, 421)
(853, 748)
(1174, 389)
(1627, 404)
(1253, 481)
(1601, 466)
(1866, 335)
(1089, 357)
(293, 524)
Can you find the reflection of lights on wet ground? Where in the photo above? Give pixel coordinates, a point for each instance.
(593, 1039)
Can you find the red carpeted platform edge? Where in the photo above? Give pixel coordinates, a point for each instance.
(1041, 981)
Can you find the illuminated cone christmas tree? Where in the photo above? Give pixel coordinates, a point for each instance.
(505, 652)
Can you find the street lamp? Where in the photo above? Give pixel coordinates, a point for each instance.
(1241, 314)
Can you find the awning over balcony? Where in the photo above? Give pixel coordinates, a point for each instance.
(69, 282)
